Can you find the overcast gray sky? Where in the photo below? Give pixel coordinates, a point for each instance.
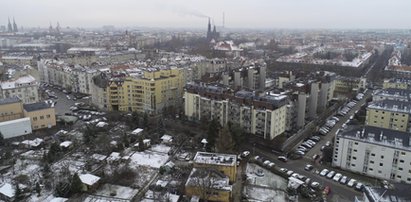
(190, 13)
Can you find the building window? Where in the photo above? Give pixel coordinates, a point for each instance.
(371, 169)
(380, 171)
(43, 126)
(372, 162)
(381, 164)
(402, 153)
(399, 168)
(401, 161)
(399, 176)
(382, 157)
(48, 116)
(353, 165)
(355, 150)
(356, 143)
(34, 118)
(355, 158)
(408, 179)
(372, 154)
(41, 117)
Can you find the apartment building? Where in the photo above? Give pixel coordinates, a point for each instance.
(41, 114)
(392, 94)
(349, 84)
(399, 83)
(25, 87)
(375, 152)
(263, 115)
(75, 78)
(389, 114)
(152, 91)
(11, 109)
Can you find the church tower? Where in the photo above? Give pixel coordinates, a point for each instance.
(209, 34)
(15, 29)
(9, 27)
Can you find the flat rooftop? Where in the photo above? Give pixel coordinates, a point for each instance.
(36, 106)
(9, 100)
(215, 159)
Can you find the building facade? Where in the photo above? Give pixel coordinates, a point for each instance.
(152, 92)
(390, 114)
(41, 114)
(11, 109)
(25, 87)
(263, 115)
(375, 152)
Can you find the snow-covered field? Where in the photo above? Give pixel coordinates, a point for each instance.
(161, 148)
(148, 158)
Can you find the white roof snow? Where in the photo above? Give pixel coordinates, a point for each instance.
(7, 190)
(89, 179)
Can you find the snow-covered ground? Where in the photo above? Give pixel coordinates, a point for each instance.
(268, 187)
(148, 158)
(121, 192)
(161, 148)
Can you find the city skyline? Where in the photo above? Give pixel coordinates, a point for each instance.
(366, 14)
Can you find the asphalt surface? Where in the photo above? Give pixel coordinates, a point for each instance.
(63, 104)
(339, 192)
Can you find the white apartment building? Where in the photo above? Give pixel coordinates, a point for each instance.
(264, 115)
(78, 79)
(375, 152)
(25, 87)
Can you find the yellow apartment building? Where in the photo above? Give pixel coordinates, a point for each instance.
(11, 109)
(151, 92)
(41, 114)
(390, 114)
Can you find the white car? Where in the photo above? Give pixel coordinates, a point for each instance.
(290, 172)
(337, 177)
(266, 162)
(344, 180)
(324, 172)
(351, 183)
(245, 153)
(315, 184)
(330, 174)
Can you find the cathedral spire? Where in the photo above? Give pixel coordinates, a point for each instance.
(9, 27)
(15, 29)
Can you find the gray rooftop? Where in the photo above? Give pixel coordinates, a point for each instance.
(391, 105)
(36, 106)
(9, 100)
(379, 136)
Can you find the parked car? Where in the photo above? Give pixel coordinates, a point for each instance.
(324, 172)
(308, 167)
(284, 170)
(245, 154)
(344, 180)
(331, 174)
(315, 185)
(290, 172)
(351, 183)
(283, 158)
(337, 177)
(266, 162)
(316, 156)
(359, 186)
